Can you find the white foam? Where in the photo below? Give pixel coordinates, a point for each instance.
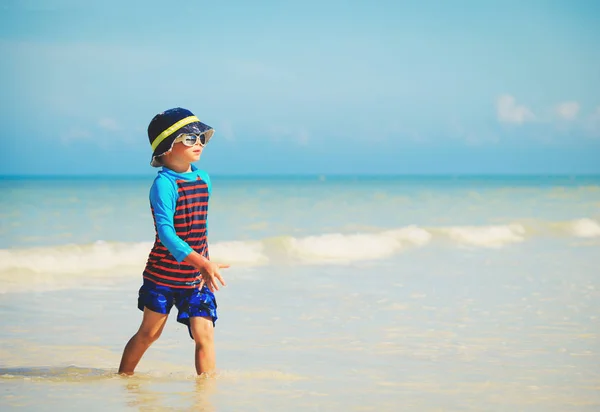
(238, 252)
(585, 228)
(69, 259)
(411, 234)
(342, 248)
(58, 267)
(486, 236)
(75, 265)
(337, 247)
(97, 264)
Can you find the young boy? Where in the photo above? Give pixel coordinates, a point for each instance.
(178, 270)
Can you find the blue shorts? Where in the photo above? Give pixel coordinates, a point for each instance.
(189, 302)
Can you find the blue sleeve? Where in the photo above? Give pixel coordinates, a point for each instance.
(163, 198)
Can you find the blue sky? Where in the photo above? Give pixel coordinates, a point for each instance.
(335, 87)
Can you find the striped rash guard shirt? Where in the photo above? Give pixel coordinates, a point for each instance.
(179, 204)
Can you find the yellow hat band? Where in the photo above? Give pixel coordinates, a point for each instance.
(172, 129)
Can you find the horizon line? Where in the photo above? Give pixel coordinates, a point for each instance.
(307, 175)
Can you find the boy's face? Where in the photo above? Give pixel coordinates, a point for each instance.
(185, 153)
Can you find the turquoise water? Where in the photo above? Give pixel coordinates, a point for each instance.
(379, 293)
(59, 211)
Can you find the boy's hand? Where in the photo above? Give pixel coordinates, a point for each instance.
(208, 270)
(211, 274)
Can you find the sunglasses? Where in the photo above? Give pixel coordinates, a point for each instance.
(191, 139)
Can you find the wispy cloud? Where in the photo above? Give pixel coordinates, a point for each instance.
(109, 124)
(554, 121)
(508, 111)
(567, 110)
(75, 133)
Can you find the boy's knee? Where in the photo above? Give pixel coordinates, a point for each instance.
(203, 341)
(202, 331)
(148, 336)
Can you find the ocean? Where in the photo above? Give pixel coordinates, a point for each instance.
(379, 293)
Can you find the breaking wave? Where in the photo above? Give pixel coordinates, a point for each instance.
(80, 263)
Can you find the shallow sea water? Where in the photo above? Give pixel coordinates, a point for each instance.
(495, 310)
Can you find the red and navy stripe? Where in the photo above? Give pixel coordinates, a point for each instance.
(190, 225)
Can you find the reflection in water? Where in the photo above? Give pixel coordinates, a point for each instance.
(205, 388)
(163, 393)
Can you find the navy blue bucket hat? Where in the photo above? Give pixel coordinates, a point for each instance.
(166, 126)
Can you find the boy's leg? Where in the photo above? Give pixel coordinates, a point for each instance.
(152, 326)
(202, 330)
